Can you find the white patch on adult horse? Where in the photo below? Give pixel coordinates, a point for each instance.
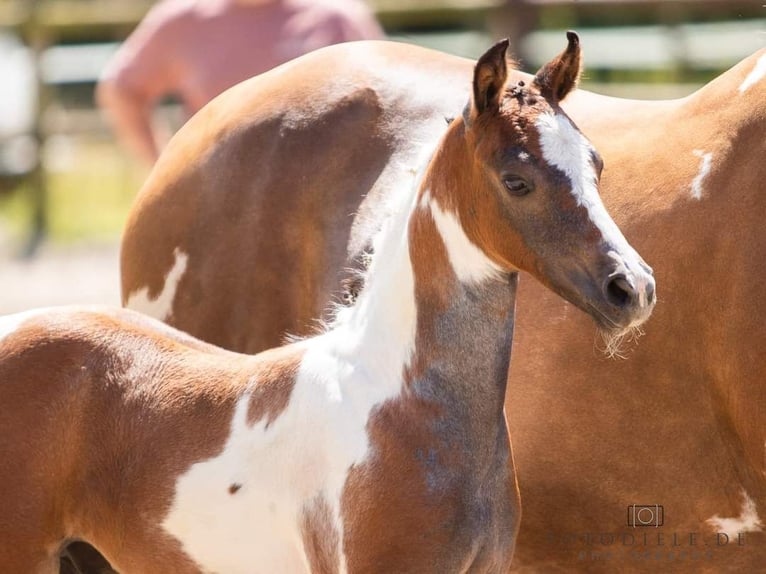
(309, 449)
(161, 306)
(705, 163)
(470, 264)
(747, 521)
(755, 75)
(425, 200)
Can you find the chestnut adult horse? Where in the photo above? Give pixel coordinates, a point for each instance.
(379, 445)
(240, 236)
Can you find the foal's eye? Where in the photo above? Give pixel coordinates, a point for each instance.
(516, 185)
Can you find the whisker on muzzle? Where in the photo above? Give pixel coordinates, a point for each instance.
(616, 344)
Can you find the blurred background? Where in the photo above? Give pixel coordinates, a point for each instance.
(66, 186)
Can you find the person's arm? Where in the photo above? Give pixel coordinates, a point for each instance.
(131, 118)
(143, 70)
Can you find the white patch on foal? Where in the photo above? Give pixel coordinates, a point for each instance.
(470, 264)
(234, 533)
(747, 521)
(755, 75)
(161, 306)
(569, 151)
(705, 164)
(309, 449)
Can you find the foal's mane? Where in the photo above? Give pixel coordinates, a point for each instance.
(359, 261)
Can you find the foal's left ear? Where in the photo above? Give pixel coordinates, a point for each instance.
(559, 76)
(489, 77)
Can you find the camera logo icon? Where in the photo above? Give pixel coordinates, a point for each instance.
(646, 515)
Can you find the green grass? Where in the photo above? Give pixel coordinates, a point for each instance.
(90, 190)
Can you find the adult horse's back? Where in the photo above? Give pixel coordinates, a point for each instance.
(679, 424)
(268, 185)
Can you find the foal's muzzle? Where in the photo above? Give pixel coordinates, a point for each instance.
(630, 293)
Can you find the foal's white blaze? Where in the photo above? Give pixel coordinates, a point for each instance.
(565, 148)
(470, 264)
(755, 75)
(705, 163)
(309, 449)
(161, 306)
(747, 521)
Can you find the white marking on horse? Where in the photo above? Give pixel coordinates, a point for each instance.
(234, 533)
(747, 521)
(161, 306)
(565, 148)
(425, 200)
(755, 75)
(309, 449)
(470, 264)
(705, 163)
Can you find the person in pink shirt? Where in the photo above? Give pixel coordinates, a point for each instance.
(196, 49)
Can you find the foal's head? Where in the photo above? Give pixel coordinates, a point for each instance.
(529, 194)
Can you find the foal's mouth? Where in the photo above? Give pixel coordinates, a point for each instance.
(637, 317)
(614, 337)
(604, 321)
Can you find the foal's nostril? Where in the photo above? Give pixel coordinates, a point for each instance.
(619, 291)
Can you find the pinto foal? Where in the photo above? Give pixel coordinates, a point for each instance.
(377, 446)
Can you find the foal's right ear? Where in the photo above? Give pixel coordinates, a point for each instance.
(489, 77)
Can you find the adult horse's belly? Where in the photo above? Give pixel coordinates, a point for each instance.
(240, 236)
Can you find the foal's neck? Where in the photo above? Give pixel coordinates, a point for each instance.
(436, 315)
(465, 303)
